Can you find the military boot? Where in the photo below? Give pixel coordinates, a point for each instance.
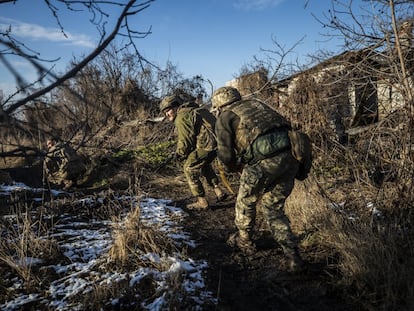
(242, 241)
(220, 195)
(200, 204)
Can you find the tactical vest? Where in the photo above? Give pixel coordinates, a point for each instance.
(256, 119)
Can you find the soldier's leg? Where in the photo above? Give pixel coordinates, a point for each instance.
(193, 172)
(279, 172)
(273, 210)
(213, 181)
(206, 158)
(251, 184)
(245, 209)
(208, 171)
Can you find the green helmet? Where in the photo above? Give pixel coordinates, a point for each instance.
(169, 102)
(225, 96)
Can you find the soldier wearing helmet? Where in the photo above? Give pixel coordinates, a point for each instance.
(225, 96)
(169, 106)
(253, 139)
(196, 145)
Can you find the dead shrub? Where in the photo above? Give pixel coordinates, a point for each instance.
(375, 262)
(354, 211)
(132, 239)
(23, 242)
(129, 297)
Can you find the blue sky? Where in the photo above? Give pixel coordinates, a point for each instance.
(214, 38)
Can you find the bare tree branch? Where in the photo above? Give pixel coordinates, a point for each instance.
(401, 57)
(129, 9)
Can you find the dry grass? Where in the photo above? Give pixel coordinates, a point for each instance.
(132, 239)
(373, 253)
(24, 241)
(125, 237)
(354, 211)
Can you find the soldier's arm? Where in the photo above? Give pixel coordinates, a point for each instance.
(186, 141)
(226, 126)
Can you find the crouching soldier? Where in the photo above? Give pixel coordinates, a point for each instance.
(253, 139)
(196, 146)
(63, 166)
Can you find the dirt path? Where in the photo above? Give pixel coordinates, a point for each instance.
(260, 282)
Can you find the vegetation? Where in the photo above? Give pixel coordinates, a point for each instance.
(353, 214)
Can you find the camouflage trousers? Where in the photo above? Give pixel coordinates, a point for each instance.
(197, 165)
(271, 181)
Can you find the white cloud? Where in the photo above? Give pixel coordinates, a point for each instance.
(256, 4)
(37, 32)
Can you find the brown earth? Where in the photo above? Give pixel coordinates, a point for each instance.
(259, 282)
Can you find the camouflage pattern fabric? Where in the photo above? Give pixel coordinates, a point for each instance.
(194, 126)
(205, 123)
(197, 165)
(63, 164)
(256, 119)
(272, 180)
(196, 145)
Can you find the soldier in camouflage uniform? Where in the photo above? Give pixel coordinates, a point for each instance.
(253, 139)
(62, 164)
(196, 145)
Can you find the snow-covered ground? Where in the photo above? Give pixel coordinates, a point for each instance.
(86, 242)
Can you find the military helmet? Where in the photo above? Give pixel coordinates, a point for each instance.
(169, 102)
(225, 96)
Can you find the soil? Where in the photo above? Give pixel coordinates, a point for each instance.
(258, 282)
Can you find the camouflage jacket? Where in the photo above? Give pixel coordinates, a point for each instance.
(238, 127)
(195, 129)
(62, 162)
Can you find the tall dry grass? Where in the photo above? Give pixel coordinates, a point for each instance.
(24, 241)
(372, 253)
(132, 241)
(355, 209)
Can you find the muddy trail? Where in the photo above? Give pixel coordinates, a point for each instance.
(258, 282)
